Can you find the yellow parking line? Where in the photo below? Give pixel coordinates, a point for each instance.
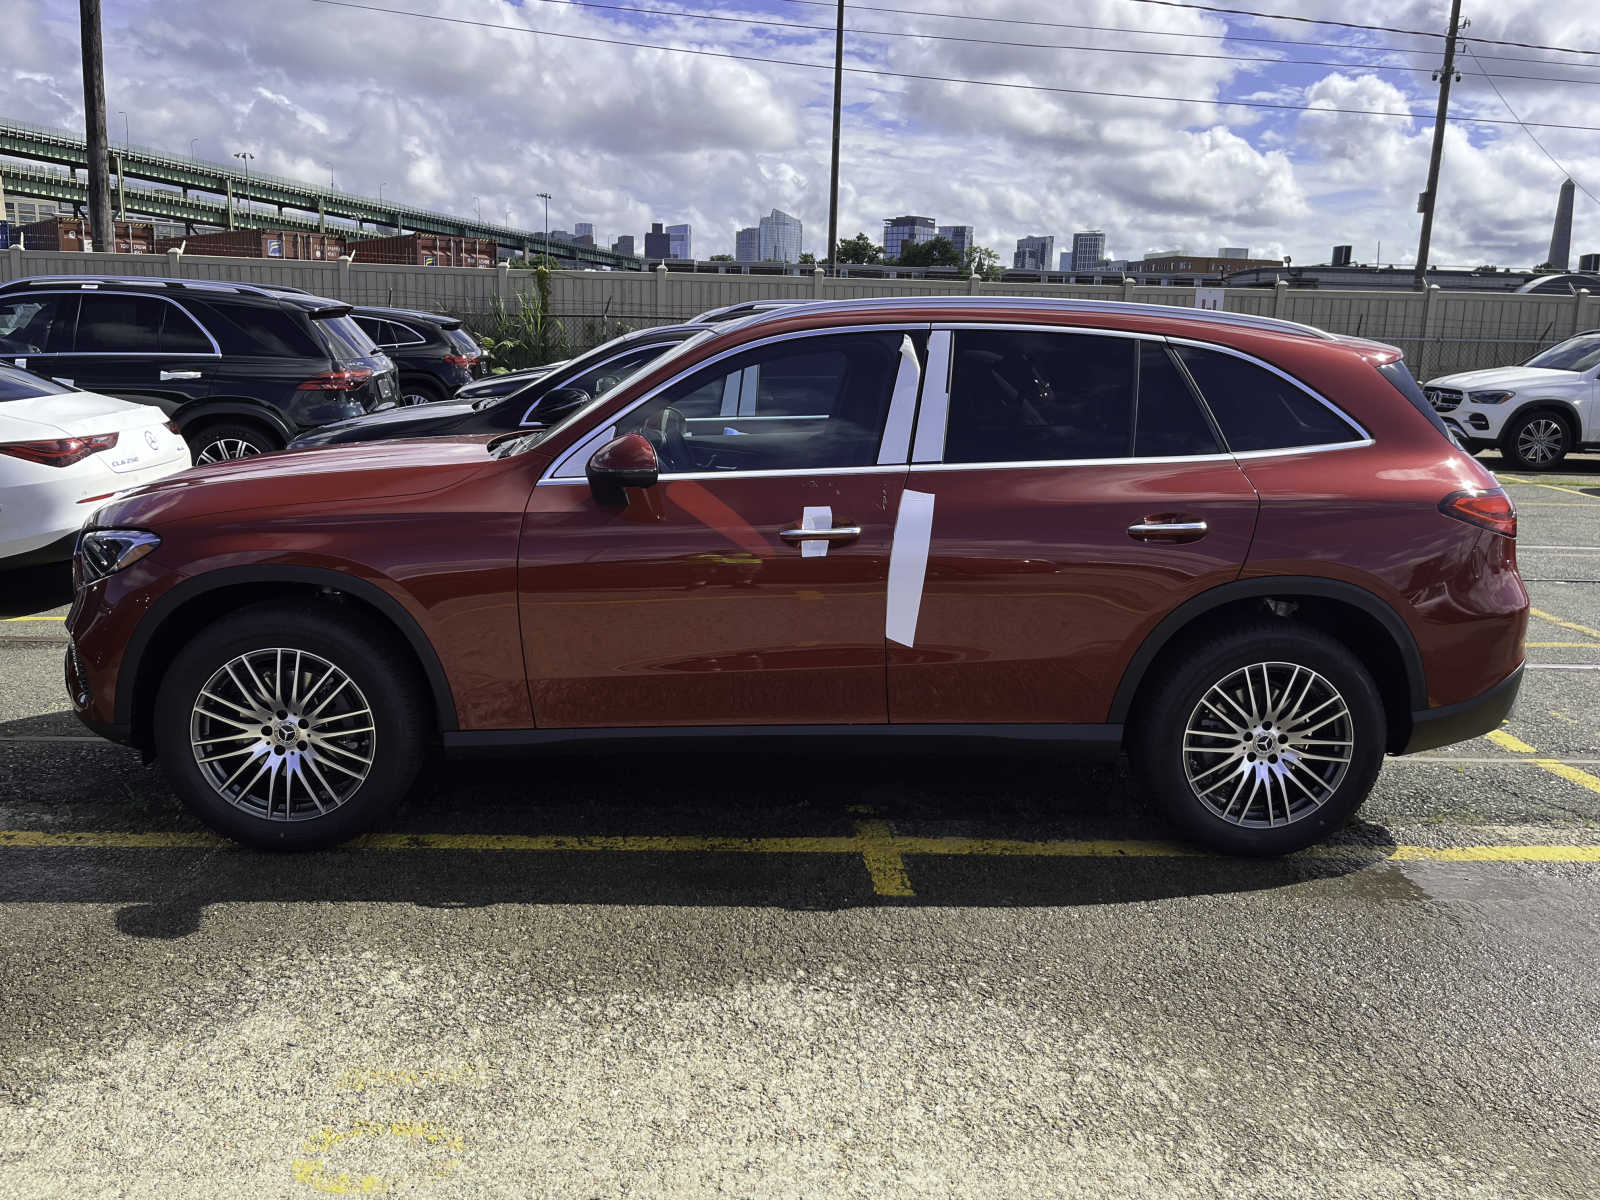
(1561, 645)
(1561, 770)
(1554, 487)
(874, 840)
(1572, 625)
(58, 620)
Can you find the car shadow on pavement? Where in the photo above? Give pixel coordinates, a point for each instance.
(676, 827)
(28, 590)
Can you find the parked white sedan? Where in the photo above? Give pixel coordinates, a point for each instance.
(62, 453)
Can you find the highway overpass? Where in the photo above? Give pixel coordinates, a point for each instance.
(298, 205)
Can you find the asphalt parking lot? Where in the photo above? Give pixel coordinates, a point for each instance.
(705, 974)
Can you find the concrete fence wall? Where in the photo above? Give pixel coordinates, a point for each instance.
(1440, 331)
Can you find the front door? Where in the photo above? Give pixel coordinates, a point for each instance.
(747, 586)
(1068, 490)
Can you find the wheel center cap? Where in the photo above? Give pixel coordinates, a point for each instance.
(287, 732)
(1266, 743)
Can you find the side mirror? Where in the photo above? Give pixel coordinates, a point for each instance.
(554, 405)
(622, 463)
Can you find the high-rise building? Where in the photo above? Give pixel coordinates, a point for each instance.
(623, 245)
(898, 232)
(779, 237)
(747, 244)
(1088, 250)
(656, 242)
(679, 242)
(959, 236)
(583, 232)
(1034, 253)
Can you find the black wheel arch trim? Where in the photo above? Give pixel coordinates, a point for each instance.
(1288, 587)
(221, 410)
(1562, 408)
(361, 589)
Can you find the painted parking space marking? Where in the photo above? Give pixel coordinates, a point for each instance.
(1586, 630)
(1554, 487)
(1556, 767)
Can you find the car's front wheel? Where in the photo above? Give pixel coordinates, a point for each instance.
(1262, 742)
(289, 726)
(1537, 441)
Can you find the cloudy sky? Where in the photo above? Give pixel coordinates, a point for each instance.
(441, 113)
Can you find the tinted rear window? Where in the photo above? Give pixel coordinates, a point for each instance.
(115, 324)
(252, 329)
(1259, 409)
(345, 338)
(1398, 374)
(462, 340)
(20, 385)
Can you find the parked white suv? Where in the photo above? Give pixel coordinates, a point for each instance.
(1536, 413)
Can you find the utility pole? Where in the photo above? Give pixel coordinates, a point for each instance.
(1425, 202)
(833, 177)
(94, 122)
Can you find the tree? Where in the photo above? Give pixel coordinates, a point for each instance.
(808, 259)
(983, 261)
(720, 258)
(937, 252)
(859, 250)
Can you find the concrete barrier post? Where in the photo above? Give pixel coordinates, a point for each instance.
(1432, 317)
(175, 262)
(1279, 291)
(974, 284)
(1588, 318)
(1127, 288)
(344, 278)
(817, 276)
(661, 292)
(503, 284)
(14, 268)
(1578, 302)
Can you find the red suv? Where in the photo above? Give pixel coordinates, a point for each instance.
(1244, 551)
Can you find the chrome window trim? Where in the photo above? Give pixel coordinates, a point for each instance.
(666, 347)
(582, 443)
(896, 441)
(216, 350)
(1362, 434)
(1161, 460)
(784, 473)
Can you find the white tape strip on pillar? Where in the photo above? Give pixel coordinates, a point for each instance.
(908, 566)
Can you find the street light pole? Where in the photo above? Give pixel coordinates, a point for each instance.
(122, 170)
(545, 196)
(94, 125)
(477, 208)
(192, 153)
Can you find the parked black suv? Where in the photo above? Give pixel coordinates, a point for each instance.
(240, 369)
(562, 391)
(433, 353)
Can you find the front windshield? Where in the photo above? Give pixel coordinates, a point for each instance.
(1575, 354)
(673, 353)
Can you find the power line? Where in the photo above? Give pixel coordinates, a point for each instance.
(993, 83)
(943, 37)
(1223, 37)
(1532, 137)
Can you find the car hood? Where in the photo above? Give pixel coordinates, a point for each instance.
(322, 478)
(1509, 378)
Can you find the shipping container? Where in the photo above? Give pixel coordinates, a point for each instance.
(70, 233)
(427, 250)
(261, 243)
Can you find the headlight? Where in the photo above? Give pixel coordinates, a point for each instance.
(1490, 397)
(101, 552)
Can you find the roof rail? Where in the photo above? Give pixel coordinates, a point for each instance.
(164, 281)
(1044, 304)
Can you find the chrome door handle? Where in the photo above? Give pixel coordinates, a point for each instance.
(841, 533)
(1167, 531)
(169, 376)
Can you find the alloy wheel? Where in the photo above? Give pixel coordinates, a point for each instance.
(1541, 440)
(1268, 745)
(223, 449)
(282, 734)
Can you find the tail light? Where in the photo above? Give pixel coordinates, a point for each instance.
(59, 452)
(337, 381)
(461, 360)
(1491, 510)
(172, 427)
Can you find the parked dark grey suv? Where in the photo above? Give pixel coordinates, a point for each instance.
(433, 353)
(240, 369)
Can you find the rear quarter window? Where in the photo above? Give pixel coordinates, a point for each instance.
(251, 329)
(1258, 409)
(1401, 378)
(347, 341)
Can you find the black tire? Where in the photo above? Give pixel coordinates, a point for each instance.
(1157, 745)
(1537, 440)
(425, 390)
(384, 683)
(223, 441)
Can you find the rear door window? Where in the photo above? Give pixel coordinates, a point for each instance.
(179, 333)
(109, 323)
(1170, 421)
(1025, 395)
(1259, 409)
(37, 324)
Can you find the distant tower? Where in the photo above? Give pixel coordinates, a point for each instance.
(1561, 236)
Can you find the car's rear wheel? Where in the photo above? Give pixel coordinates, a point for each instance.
(1262, 742)
(1537, 441)
(289, 727)
(219, 443)
(419, 391)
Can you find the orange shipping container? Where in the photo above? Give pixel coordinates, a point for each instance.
(260, 243)
(427, 250)
(69, 233)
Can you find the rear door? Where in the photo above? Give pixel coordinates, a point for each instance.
(1067, 490)
(138, 347)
